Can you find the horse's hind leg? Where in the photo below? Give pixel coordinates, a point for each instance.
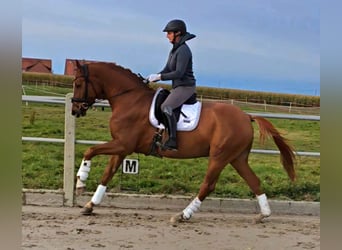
(207, 186)
(242, 167)
(113, 165)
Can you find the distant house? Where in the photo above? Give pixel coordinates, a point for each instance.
(70, 65)
(36, 65)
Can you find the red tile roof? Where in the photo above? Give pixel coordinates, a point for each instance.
(70, 65)
(36, 65)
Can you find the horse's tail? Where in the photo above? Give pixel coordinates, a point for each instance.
(287, 155)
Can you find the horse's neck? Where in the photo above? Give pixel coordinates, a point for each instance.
(115, 84)
(125, 90)
(133, 105)
(119, 87)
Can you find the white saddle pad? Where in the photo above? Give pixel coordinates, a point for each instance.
(187, 122)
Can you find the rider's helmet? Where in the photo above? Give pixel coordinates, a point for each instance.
(175, 25)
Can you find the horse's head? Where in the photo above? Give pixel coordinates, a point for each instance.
(101, 80)
(84, 91)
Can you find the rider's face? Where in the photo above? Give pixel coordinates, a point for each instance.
(171, 36)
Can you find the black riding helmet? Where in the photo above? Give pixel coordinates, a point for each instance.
(175, 25)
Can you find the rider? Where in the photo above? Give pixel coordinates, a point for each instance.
(178, 69)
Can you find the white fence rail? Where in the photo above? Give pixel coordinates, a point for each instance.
(70, 140)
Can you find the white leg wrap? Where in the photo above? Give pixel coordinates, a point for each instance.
(84, 169)
(263, 204)
(98, 195)
(191, 208)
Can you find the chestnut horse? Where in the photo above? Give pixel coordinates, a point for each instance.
(224, 134)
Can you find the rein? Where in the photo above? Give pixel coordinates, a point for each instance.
(122, 93)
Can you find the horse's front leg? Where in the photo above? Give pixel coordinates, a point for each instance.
(109, 148)
(113, 165)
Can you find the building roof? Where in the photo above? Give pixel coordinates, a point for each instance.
(37, 65)
(70, 65)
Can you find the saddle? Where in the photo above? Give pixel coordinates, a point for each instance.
(187, 114)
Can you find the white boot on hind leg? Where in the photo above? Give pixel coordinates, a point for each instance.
(191, 208)
(263, 204)
(187, 213)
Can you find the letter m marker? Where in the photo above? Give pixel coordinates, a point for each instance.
(130, 166)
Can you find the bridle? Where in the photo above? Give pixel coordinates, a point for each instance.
(85, 103)
(84, 100)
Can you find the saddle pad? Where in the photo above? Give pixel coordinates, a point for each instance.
(186, 123)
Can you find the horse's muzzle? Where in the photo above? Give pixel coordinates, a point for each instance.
(79, 109)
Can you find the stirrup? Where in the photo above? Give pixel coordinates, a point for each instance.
(156, 143)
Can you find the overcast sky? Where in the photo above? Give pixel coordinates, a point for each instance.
(246, 44)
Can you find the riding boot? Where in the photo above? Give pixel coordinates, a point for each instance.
(171, 143)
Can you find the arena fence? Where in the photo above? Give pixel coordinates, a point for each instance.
(70, 140)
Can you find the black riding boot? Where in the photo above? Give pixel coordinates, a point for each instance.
(171, 143)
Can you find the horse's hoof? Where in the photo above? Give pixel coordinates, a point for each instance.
(259, 218)
(87, 211)
(80, 190)
(176, 218)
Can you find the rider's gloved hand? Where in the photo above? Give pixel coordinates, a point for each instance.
(153, 77)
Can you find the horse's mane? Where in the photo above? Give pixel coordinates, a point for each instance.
(125, 71)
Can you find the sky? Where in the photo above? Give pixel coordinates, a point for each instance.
(259, 45)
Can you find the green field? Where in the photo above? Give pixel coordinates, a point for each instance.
(43, 162)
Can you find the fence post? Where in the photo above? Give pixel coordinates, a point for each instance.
(69, 153)
(265, 104)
